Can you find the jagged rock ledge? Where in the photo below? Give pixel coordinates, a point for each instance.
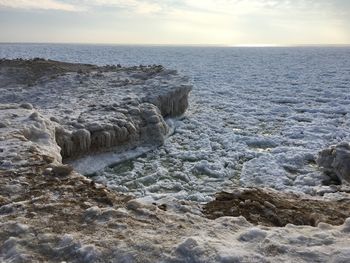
(95, 109)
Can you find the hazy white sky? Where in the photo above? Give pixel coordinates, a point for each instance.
(213, 22)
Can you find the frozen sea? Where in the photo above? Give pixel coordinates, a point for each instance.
(257, 116)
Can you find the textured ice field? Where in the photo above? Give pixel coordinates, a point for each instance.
(257, 117)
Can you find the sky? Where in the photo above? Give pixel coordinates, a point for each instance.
(176, 22)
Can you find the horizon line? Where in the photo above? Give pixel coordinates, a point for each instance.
(180, 45)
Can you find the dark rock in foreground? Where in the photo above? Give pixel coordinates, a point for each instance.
(272, 208)
(335, 161)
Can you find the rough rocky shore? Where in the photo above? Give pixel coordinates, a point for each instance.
(52, 113)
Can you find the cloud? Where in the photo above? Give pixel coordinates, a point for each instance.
(134, 6)
(224, 7)
(38, 4)
(196, 21)
(141, 7)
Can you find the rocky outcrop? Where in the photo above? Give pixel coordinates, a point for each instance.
(271, 208)
(335, 161)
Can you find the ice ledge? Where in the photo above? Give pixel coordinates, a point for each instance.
(96, 109)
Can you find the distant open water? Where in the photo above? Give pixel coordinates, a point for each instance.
(210, 66)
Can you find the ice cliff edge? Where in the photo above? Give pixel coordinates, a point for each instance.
(91, 109)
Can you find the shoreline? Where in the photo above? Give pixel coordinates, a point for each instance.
(49, 212)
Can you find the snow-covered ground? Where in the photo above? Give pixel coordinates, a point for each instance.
(261, 121)
(47, 215)
(257, 117)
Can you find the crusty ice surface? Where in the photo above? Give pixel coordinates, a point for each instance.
(144, 233)
(264, 128)
(97, 109)
(45, 216)
(257, 117)
(69, 218)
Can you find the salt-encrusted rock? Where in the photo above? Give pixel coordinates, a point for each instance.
(336, 161)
